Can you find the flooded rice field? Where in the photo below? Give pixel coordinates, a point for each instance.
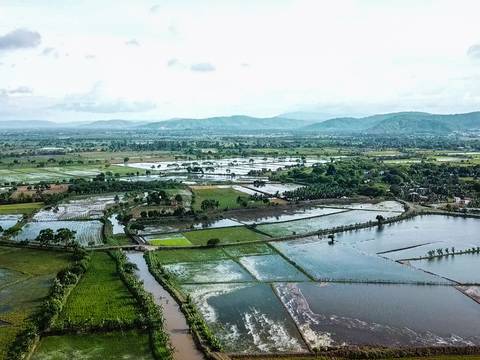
(78, 209)
(208, 272)
(416, 231)
(304, 226)
(247, 317)
(272, 268)
(388, 315)
(464, 268)
(290, 296)
(7, 221)
(237, 166)
(274, 215)
(87, 232)
(338, 262)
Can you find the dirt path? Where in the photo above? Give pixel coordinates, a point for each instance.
(175, 322)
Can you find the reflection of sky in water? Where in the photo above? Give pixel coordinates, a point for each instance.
(343, 263)
(247, 318)
(390, 315)
(414, 231)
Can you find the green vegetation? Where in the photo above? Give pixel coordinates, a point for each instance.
(100, 300)
(106, 346)
(152, 313)
(22, 208)
(41, 318)
(170, 240)
(225, 235)
(221, 198)
(186, 255)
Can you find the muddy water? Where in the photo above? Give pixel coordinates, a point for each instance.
(175, 322)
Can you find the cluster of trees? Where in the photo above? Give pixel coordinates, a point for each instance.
(209, 204)
(370, 177)
(82, 186)
(63, 236)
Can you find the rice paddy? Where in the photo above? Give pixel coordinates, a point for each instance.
(25, 278)
(99, 299)
(88, 233)
(334, 294)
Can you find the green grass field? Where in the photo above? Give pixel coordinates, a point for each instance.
(170, 240)
(187, 255)
(130, 345)
(27, 208)
(227, 198)
(30, 274)
(225, 235)
(99, 297)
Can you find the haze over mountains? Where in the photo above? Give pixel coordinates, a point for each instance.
(392, 123)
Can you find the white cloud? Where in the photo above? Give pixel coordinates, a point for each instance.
(207, 58)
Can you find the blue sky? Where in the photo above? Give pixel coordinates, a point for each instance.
(86, 60)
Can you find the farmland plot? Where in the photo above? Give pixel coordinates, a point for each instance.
(460, 268)
(419, 230)
(78, 209)
(87, 232)
(100, 297)
(7, 221)
(339, 262)
(304, 226)
(129, 345)
(274, 215)
(208, 272)
(25, 277)
(386, 315)
(246, 317)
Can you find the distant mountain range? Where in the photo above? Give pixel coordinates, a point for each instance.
(394, 123)
(400, 123)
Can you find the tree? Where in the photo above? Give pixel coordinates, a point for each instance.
(380, 219)
(126, 159)
(45, 237)
(213, 242)
(65, 236)
(178, 198)
(209, 204)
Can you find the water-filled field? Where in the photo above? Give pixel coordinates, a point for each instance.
(322, 222)
(237, 166)
(79, 209)
(272, 268)
(339, 262)
(274, 215)
(246, 317)
(336, 294)
(463, 268)
(162, 228)
(87, 232)
(208, 272)
(415, 231)
(390, 315)
(274, 189)
(7, 221)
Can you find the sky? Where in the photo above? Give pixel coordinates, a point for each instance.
(82, 60)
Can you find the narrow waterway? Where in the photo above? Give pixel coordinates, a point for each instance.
(175, 322)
